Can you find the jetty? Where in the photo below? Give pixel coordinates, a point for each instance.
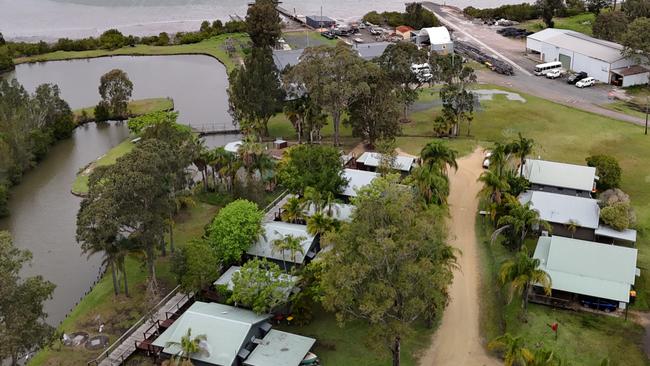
(216, 129)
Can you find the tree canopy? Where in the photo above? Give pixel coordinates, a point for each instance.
(390, 266)
(610, 25)
(196, 266)
(138, 124)
(115, 88)
(263, 24)
(636, 39)
(316, 166)
(608, 171)
(550, 9)
(260, 285)
(234, 230)
(22, 324)
(396, 62)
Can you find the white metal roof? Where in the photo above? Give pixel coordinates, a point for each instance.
(280, 349)
(588, 268)
(225, 327)
(437, 35)
(357, 179)
(562, 209)
(626, 235)
(403, 163)
(369, 51)
(339, 211)
(277, 230)
(580, 43)
(562, 175)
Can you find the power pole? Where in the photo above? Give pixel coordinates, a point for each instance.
(647, 105)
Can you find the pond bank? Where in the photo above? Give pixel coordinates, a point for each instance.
(136, 108)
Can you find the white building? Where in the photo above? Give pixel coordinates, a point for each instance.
(357, 179)
(437, 38)
(600, 59)
(551, 176)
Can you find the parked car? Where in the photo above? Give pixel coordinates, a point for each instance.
(586, 82)
(375, 31)
(599, 304)
(328, 35)
(577, 77)
(554, 74)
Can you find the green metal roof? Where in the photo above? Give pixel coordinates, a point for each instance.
(280, 349)
(588, 268)
(226, 329)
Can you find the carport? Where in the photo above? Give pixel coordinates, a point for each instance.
(629, 76)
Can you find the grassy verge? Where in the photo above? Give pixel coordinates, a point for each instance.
(135, 108)
(214, 47)
(80, 184)
(579, 23)
(305, 39)
(348, 346)
(624, 107)
(118, 313)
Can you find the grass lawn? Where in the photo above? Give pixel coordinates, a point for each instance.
(623, 107)
(136, 108)
(119, 313)
(211, 47)
(348, 345)
(80, 184)
(306, 39)
(579, 23)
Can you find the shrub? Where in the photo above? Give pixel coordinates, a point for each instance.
(112, 39)
(607, 169)
(616, 216)
(373, 17)
(4, 200)
(234, 229)
(101, 112)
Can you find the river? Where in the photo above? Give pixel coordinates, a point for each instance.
(52, 19)
(43, 212)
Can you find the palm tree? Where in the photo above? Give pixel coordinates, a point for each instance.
(231, 166)
(522, 148)
(572, 226)
(431, 185)
(295, 111)
(219, 159)
(514, 352)
(520, 273)
(493, 186)
(320, 223)
(519, 220)
(292, 211)
(314, 198)
(201, 162)
(291, 243)
(437, 154)
(188, 345)
(499, 159)
(248, 152)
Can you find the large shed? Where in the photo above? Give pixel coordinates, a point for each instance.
(437, 39)
(320, 21)
(578, 52)
(587, 268)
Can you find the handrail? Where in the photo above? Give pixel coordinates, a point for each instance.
(133, 328)
(275, 201)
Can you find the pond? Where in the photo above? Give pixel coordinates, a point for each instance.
(43, 212)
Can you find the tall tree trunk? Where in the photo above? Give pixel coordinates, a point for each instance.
(163, 246)
(205, 179)
(525, 299)
(336, 117)
(14, 360)
(396, 351)
(116, 287)
(172, 248)
(151, 261)
(126, 282)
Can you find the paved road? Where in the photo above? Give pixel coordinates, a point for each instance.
(458, 342)
(514, 52)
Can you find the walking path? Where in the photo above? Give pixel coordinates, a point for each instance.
(457, 341)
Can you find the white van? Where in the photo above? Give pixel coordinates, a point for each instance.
(542, 69)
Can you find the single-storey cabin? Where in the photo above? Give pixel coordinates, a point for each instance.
(404, 31)
(288, 282)
(561, 178)
(357, 179)
(234, 337)
(370, 51)
(582, 270)
(436, 39)
(600, 59)
(263, 247)
(370, 161)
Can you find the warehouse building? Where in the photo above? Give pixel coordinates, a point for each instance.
(320, 21)
(437, 39)
(600, 59)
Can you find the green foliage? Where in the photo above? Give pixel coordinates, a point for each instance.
(138, 124)
(518, 221)
(520, 273)
(4, 200)
(518, 12)
(396, 62)
(196, 266)
(263, 24)
(254, 94)
(102, 112)
(513, 350)
(616, 216)
(22, 324)
(188, 346)
(234, 230)
(550, 9)
(375, 268)
(610, 26)
(112, 39)
(115, 88)
(417, 17)
(457, 99)
(260, 285)
(636, 39)
(595, 6)
(374, 112)
(309, 297)
(316, 166)
(6, 62)
(608, 171)
(634, 9)
(373, 17)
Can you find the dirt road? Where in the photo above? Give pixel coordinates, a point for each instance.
(457, 342)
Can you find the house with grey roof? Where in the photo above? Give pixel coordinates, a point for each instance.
(371, 161)
(370, 51)
(562, 178)
(580, 268)
(287, 281)
(233, 337)
(601, 59)
(263, 247)
(356, 179)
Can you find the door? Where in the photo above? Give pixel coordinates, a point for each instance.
(566, 61)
